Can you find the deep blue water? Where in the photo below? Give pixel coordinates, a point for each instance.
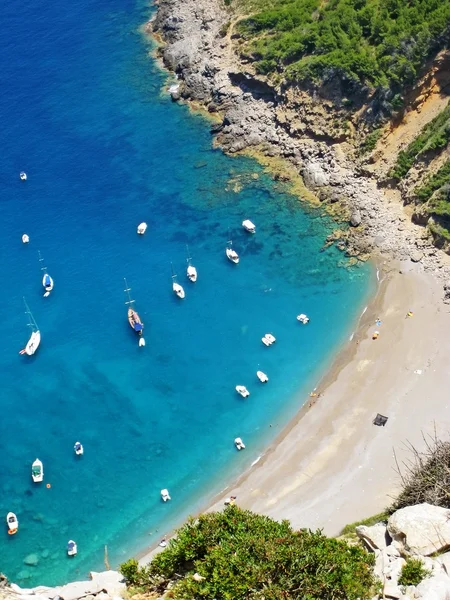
(84, 112)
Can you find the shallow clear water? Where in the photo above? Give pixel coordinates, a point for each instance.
(83, 114)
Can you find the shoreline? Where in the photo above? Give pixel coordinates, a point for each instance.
(330, 466)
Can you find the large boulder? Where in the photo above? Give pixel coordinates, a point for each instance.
(375, 536)
(434, 588)
(314, 175)
(422, 529)
(112, 582)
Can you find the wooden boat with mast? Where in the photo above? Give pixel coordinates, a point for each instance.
(35, 337)
(133, 317)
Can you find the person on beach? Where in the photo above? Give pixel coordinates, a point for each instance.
(163, 542)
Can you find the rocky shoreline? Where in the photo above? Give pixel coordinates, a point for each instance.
(197, 45)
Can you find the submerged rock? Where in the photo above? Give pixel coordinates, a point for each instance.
(32, 560)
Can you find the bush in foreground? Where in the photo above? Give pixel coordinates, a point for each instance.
(413, 572)
(236, 554)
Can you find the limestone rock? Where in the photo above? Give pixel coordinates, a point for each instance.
(355, 219)
(416, 255)
(314, 175)
(444, 560)
(112, 582)
(375, 536)
(422, 529)
(391, 590)
(434, 588)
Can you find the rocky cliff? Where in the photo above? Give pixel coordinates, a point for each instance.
(314, 134)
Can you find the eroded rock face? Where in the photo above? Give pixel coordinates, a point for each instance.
(434, 588)
(422, 529)
(375, 536)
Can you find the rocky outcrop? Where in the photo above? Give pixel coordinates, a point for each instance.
(294, 124)
(423, 529)
(108, 585)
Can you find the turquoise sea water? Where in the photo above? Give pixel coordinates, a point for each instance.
(84, 113)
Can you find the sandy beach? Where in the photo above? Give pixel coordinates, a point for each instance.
(332, 466)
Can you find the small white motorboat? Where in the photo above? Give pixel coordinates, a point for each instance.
(232, 254)
(165, 495)
(25, 238)
(191, 271)
(304, 319)
(262, 377)
(268, 339)
(78, 449)
(23, 175)
(142, 228)
(141, 342)
(71, 548)
(239, 444)
(243, 391)
(12, 522)
(37, 471)
(249, 226)
(35, 338)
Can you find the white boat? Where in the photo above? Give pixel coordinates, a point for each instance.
(134, 319)
(239, 444)
(37, 471)
(23, 175)
(25, 238)
(78, 449)
(232, 254)
(249, 226)
(142, 228)
(243, 391)
(35, 337)
(268, 339)
(262, 377)
(165, 495)
(191, 271)
(303, 319)
(12, 522)
(71, 548)
(47, 281)
(176, 287)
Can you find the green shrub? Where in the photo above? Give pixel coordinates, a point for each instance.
(413, 572)
(240, 555)
(378, 518)
(434, 183)
(370, 42)
(130, 570)
(370, 141)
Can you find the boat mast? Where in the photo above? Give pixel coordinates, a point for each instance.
(128, 290)
(41, 260)
(32, 322)
(173, 274)
(188, 257)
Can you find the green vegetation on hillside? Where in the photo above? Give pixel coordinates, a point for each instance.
(370, 42)
(238, 555)
(434, 136)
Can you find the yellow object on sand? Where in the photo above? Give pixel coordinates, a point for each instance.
(375, 335)
(409, 314)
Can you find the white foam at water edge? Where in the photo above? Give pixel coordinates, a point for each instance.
(256, 461)
(378, 274)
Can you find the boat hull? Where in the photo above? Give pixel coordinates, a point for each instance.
(12, 522)
(33, 343)
(37, 471)
(135, 321)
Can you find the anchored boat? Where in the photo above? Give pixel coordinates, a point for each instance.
(232, 254)
(142, 228)
(23, 175)
(35, 337)
(243, 391)
(191, 270)
(262, 377)
(71, 548)
(37, 471)
(78, 449)
(239, 444)
(25, 238)
(249, 226)
(268, 339)
(304, 319)
(47, 281)
(165, 495)
(133, 317)
(12, 522)
(176, 287)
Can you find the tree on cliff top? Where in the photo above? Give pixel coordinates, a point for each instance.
(236, 554)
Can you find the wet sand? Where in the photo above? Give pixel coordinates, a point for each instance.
(332, 466)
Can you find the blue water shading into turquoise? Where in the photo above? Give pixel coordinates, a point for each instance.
(82, 112)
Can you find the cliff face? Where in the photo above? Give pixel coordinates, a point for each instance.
(316, 135)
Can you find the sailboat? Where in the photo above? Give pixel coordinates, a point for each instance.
(47, 281)
(133, 318)
(35, 337)
(191, 270)
(176, 287)
(232, 254)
